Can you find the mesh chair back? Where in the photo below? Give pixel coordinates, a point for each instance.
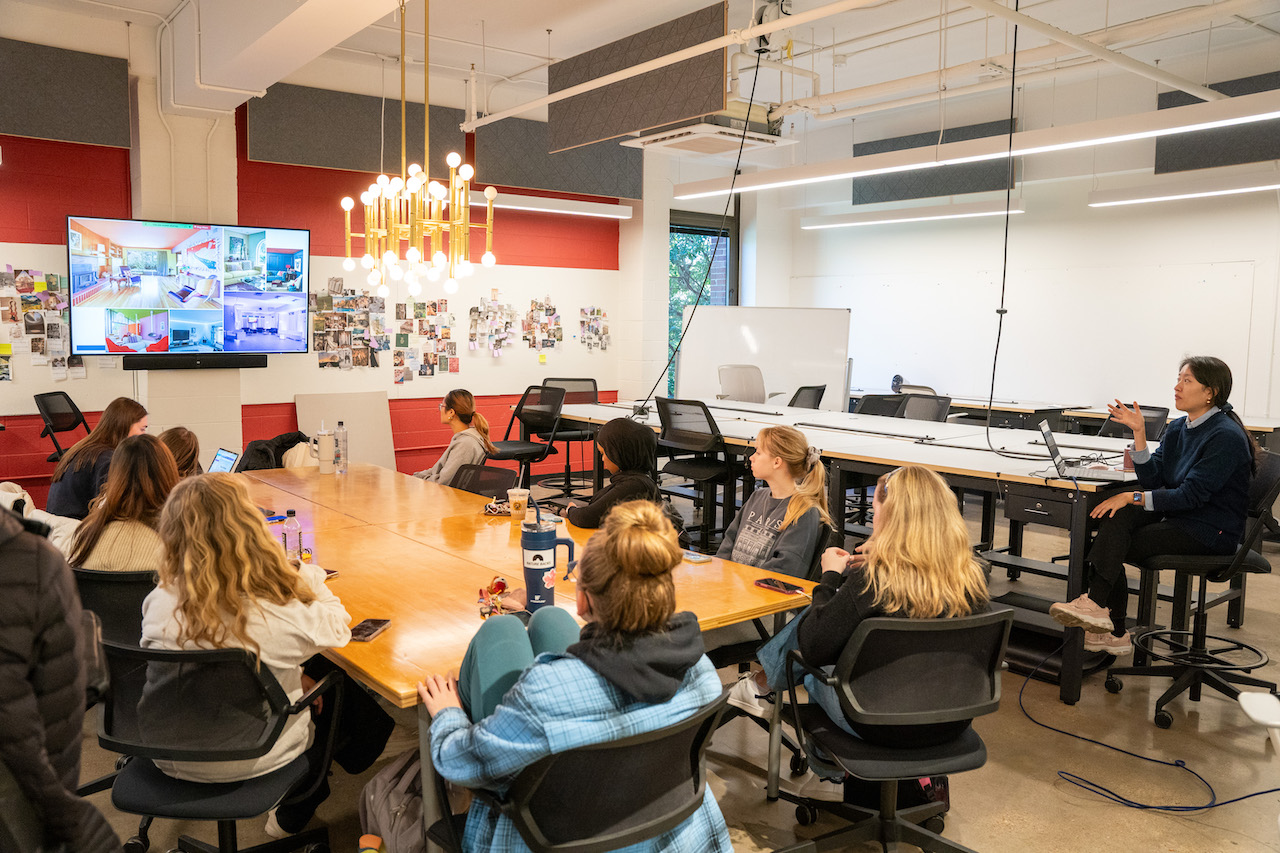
(117, 599)
(59, 412)
(538, 410)
(905, 672)
(208, 705)
(688, 425)
(1155, 417)
(742, 382)
(808, 397)
(559, 803)
(888, 405)
(485, 480)
(923, 407)
(576, 391)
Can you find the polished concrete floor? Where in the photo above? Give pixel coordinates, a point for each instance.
(1018, 801)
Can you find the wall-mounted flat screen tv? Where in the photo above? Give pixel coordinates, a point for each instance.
(178, 290)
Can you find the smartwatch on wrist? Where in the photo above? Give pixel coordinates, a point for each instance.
(1137, 498)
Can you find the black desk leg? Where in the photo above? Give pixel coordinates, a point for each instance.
(1071, 674)
(835, 497)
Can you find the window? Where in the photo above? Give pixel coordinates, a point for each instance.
(703, 247)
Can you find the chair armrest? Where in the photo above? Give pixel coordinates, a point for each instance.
(311, 695)
(773, 394)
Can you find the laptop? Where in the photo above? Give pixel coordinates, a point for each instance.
(223, 460)
(1077, 472)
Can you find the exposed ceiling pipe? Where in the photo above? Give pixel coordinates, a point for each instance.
(1127, 33)
(739, 57)
(960, 91)
(1085, 46)
(735, 37)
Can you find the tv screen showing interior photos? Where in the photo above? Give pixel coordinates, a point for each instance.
(168, 287)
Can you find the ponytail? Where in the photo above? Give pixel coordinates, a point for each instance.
(805, 464)
(1255, 450)
(464, 406)
(482, 426)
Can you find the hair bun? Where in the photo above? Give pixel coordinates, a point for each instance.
(646, 542)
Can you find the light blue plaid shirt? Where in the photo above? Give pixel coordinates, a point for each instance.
(558, 704)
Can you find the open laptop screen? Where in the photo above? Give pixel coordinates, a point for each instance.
(1050, 443)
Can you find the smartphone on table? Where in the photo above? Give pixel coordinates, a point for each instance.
(365, 631)
(779, 586)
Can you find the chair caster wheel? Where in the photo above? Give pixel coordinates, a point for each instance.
(935, 824)
(799, 765)
(1164, 719)
(137, 845)
(1113, 684)
(806, 815)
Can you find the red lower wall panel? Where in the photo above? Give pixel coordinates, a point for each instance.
(46, 181)
(416, 430)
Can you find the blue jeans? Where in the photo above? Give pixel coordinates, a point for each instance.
(773, 658)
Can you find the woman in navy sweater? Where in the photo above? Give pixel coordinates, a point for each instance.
(1193, 500)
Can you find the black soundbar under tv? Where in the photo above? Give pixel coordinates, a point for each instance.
(194, 361)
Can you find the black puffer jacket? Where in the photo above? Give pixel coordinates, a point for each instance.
(266, 453)
(42, 686)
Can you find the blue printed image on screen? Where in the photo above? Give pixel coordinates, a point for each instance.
(265, 322)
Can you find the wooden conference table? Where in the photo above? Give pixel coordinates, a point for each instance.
(417, 553)
(860, 447)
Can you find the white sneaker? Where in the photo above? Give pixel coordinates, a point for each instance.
(273, 827)
(1109, 643)
(1082, 613)
(746, 696)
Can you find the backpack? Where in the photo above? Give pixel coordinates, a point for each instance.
(391, 804)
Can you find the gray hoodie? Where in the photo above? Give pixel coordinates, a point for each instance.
(465, 448)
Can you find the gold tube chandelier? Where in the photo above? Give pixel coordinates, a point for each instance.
(413, 219)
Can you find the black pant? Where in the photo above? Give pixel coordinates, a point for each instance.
(1132, 535)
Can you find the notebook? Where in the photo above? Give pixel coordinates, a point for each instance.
(1077, 472)
(223, 460)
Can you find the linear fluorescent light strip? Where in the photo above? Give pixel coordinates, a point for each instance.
(1245, 109)
(918, 214)
(565, 206)
(1174, 191)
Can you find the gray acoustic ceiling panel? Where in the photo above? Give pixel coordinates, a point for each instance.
(303, 126)
(1225, 146)
(942, 181)
(514, 153)
(677, 92)
(51, 93)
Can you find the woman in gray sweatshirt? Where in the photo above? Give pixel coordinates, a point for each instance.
(470, 444)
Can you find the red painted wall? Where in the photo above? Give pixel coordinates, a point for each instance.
(42, 182)
(307, 197)
(419, 437)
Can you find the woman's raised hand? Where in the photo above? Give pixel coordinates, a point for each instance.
(1132, 418)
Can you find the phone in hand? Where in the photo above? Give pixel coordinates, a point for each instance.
(779, 586)
(365, 631)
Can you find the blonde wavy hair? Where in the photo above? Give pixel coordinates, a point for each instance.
(805, 464)
(222, 560)
(919, 562)
(626, 569)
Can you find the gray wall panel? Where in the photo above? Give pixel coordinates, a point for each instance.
(51, 93)
(687, 89)
(1226, 146)
(930, 183)
(514, 153)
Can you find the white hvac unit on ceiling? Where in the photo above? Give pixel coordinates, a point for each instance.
(705, 139)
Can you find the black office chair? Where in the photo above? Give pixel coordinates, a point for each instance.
(1186, 656)
(60, 414)
(688, 427)
(1027, 420)
(485, 480)
(575, 391)
(1156, 419)
(207, 705)
(901, 672)
(808, 397)
(117, 599)
(923, 407)
(558, 804)
(886, 405)
(538, 413)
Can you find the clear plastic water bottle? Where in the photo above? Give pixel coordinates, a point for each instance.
(340, 449)
(291, 534)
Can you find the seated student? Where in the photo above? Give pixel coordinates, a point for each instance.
(225, 583)
(470, 444)
(917, 564)
(185, 447)
(42, 690)
(637, 666)
(83, 469)
(627, 451)
(778, 526)
(119, 535)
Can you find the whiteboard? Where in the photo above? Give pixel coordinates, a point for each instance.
(791, 346)
(365, 414)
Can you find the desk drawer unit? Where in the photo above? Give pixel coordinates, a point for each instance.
(1037, 510)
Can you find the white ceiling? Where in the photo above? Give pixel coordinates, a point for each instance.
(508, 42)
